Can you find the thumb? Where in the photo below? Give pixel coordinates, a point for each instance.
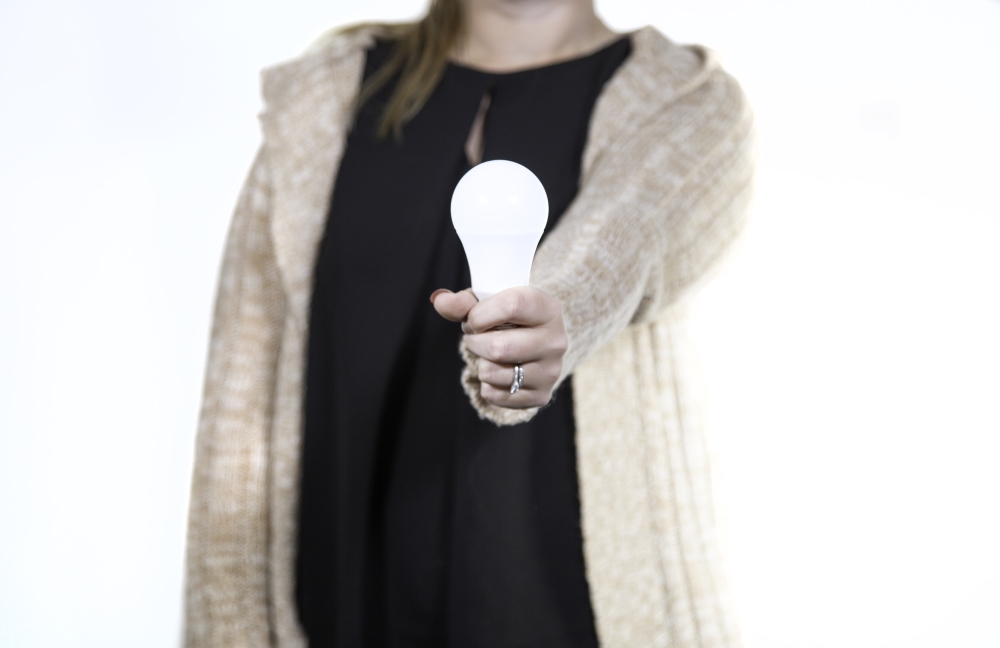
(454, 307)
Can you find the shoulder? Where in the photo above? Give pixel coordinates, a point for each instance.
(664, 80)
(666, 97)
(662, 70)
(338, 52)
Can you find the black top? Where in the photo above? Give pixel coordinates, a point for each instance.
(421, 524)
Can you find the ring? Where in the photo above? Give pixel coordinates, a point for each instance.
(518, 379)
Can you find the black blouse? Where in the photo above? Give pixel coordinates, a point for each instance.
(421, 524)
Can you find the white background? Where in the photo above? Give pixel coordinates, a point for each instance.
(850, 348)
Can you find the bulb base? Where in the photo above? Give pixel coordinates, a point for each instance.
(498, 261)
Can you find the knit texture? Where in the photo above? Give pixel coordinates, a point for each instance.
(664, 190)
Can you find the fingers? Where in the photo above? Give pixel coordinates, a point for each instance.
(536, 390)
(523, 399)
(524, 306)
(516, 326)
(537, 375)
(517, 345)
(495, 382)
(538, 344)
(453, 307)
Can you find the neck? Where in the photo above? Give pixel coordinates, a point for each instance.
(508, 35)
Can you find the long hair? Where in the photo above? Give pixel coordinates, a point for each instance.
(419, 57)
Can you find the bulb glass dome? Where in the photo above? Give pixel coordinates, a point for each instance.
(499, 196)
(499, 210)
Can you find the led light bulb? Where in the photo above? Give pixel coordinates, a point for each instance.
(499, 210)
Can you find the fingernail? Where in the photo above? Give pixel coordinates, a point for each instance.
(438, 292)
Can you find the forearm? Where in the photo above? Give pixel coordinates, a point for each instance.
(650, 226)
(652, 218)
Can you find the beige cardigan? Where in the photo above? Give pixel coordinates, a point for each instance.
(664, 188)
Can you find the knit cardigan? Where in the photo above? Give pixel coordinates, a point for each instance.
(664, 187)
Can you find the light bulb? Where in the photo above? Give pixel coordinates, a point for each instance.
(499, 210)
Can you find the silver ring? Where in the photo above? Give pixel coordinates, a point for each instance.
(518, 379)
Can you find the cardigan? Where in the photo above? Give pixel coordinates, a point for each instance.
(664, 189)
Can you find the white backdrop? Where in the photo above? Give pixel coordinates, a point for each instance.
(850, 348)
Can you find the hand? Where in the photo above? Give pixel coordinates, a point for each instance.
(533, 336)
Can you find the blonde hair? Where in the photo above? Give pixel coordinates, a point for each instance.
(419, 56)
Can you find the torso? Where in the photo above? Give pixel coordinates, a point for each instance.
(421, 524)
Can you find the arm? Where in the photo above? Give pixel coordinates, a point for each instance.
(654, 214)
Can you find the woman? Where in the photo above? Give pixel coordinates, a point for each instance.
(345, 491)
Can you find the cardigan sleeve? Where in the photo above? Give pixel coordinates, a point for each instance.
(226, 588)
(656, 210)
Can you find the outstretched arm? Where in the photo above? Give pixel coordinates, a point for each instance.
(654, 215)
